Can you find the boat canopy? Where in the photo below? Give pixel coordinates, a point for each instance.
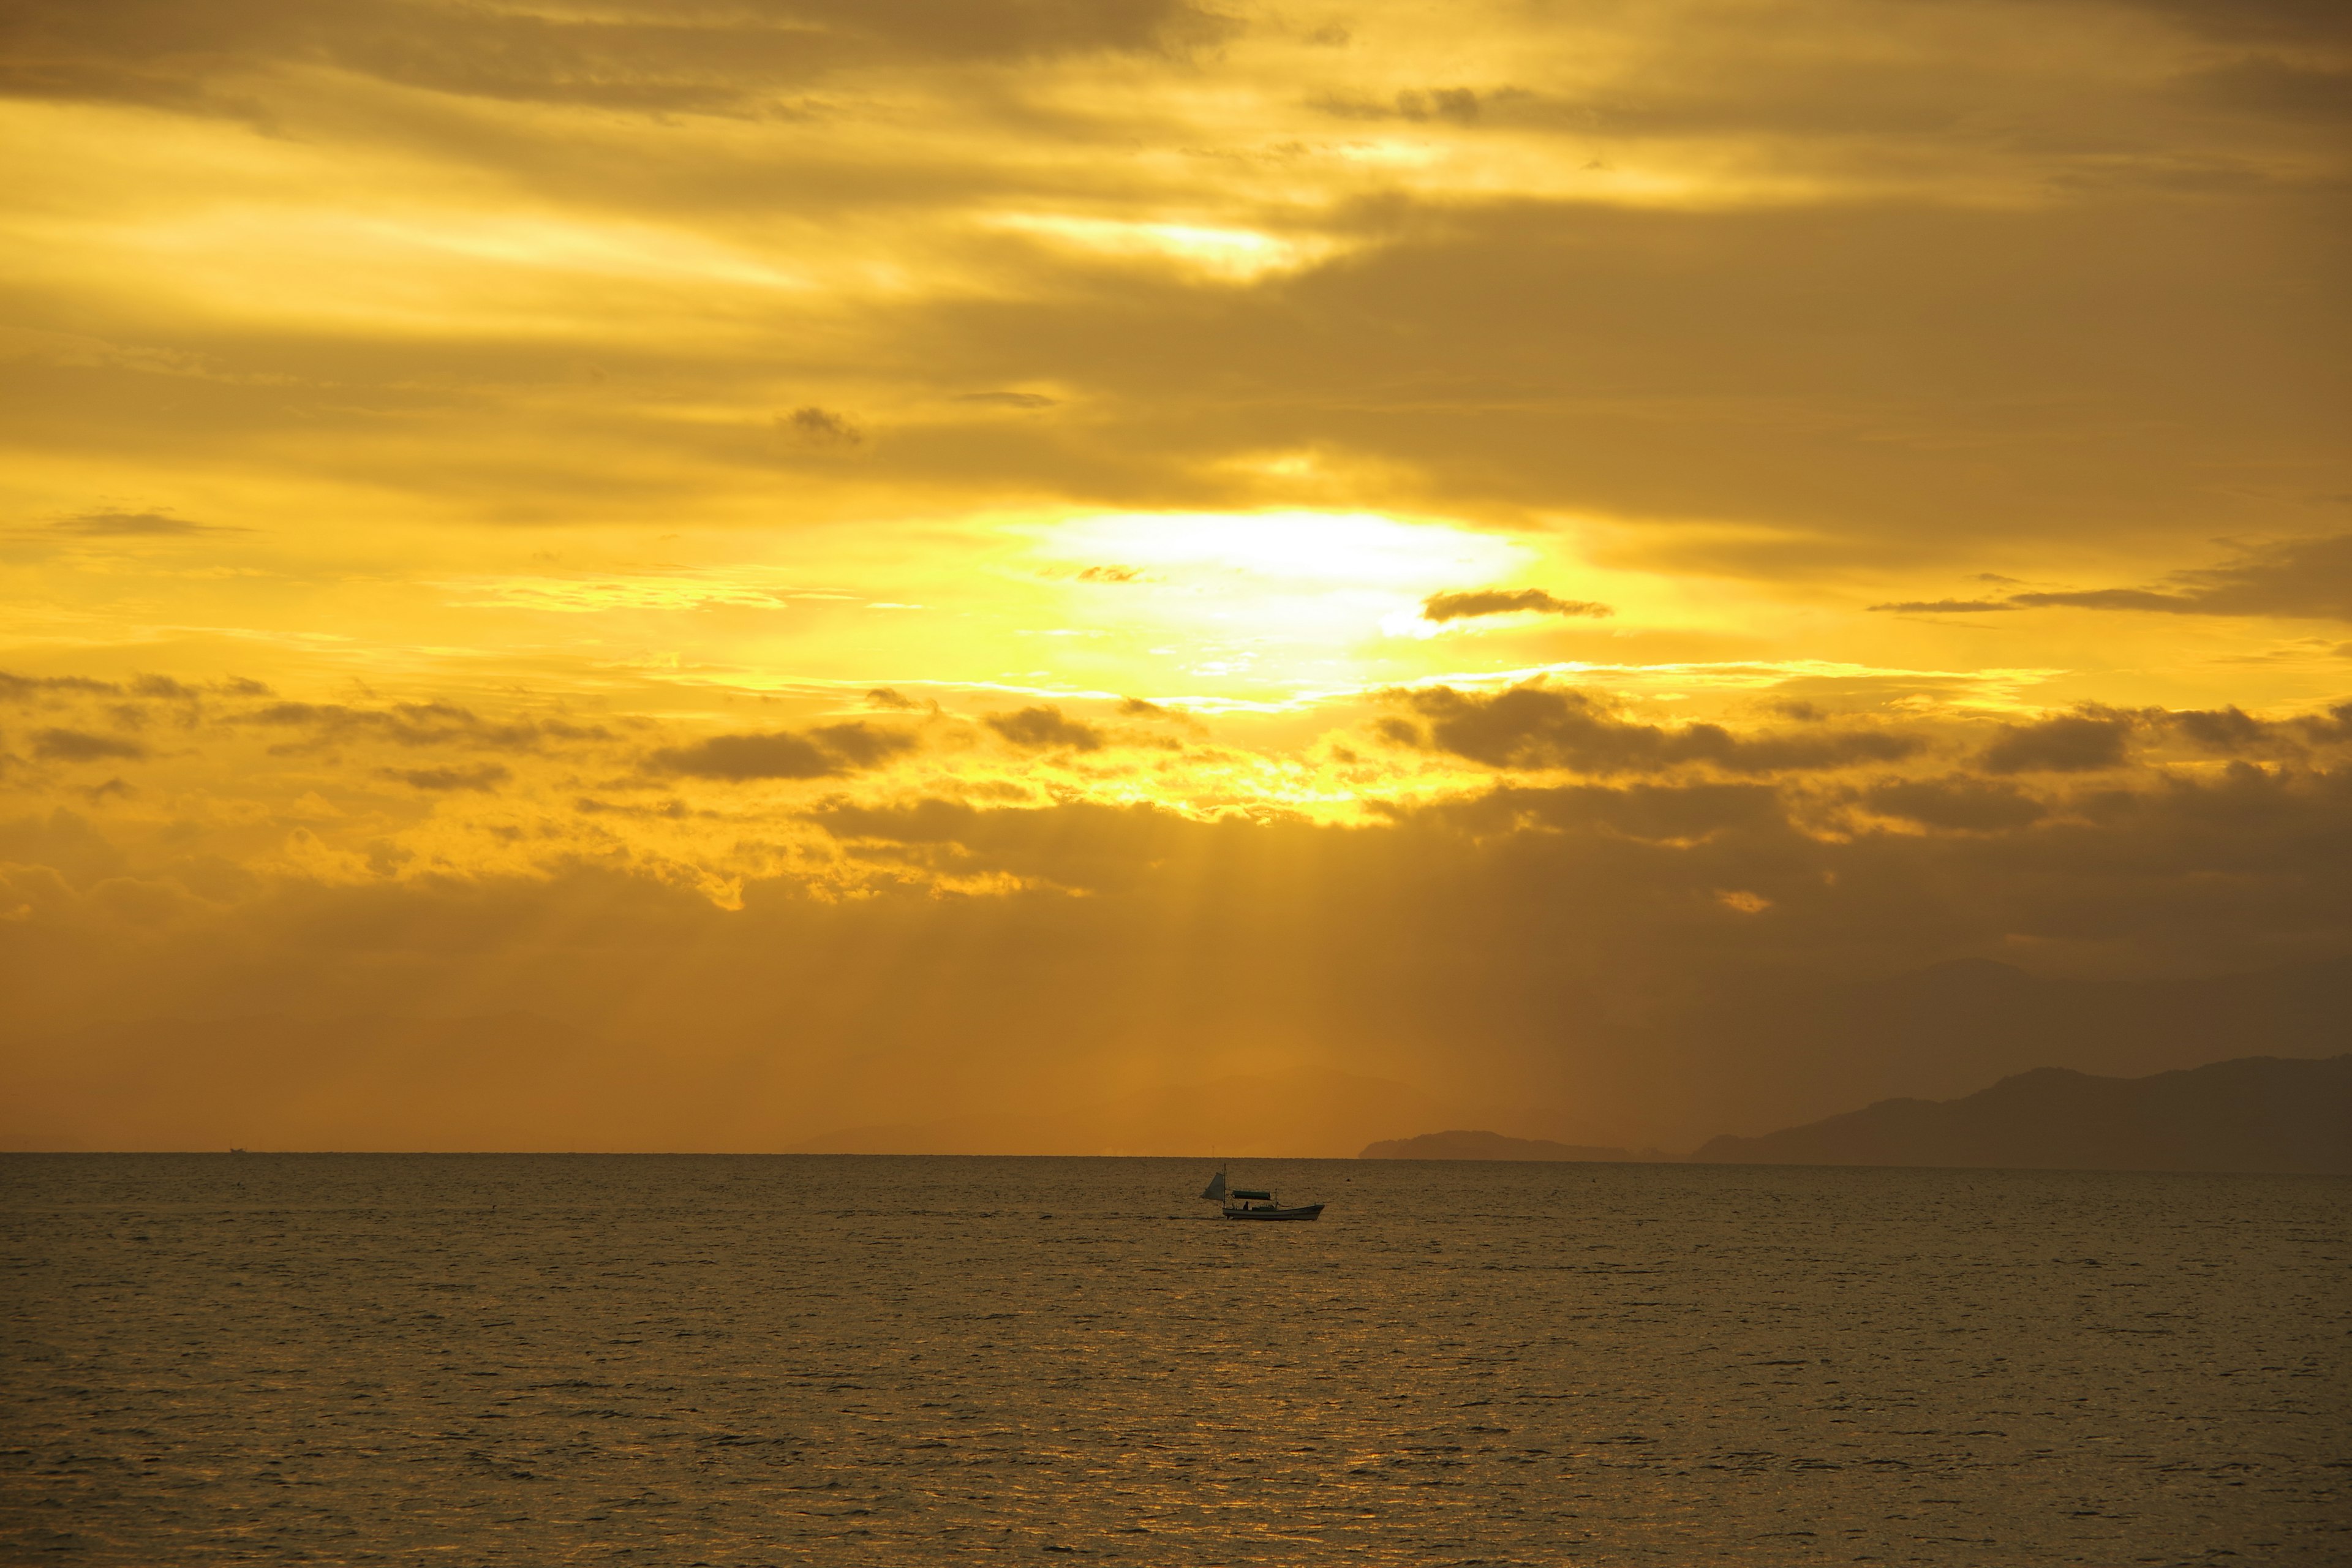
(1240, 1193)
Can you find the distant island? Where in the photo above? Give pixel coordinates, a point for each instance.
(2279, 1115)
(2257, 1114)
(1489, 1146)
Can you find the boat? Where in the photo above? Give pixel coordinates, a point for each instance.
(1251, 1203)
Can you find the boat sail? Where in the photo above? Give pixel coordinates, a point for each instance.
(1247, 1202)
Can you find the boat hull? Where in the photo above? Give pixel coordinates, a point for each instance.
(1304, 1211)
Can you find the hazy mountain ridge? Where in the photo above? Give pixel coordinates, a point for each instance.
(2254, 1114)
(1788, 1050)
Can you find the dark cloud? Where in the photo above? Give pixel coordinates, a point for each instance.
(1955, 801)
(862, 745)
(2267, 20)
(1543, 727)
(827, 751)
(485, 777)
(21, 688)
(2108, 599)
(435, 723)
(2298, 577)
(1741, 327)
(1678, 814)
(891, 699)
(1041, 727)
(671, 808)
(2303, 577)
(16, 688)
(731, 59)
(2333, 727)
(1109, 574)
(2083, 741)
(131, 525)
(1568, 946)
(820, 428)
(77, 746)
(1009, 399)
(782, 755)
(2226, 730)
(2268, 86)
(1476, 602)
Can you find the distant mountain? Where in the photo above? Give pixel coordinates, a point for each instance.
(1781, 1049)
(2255, 1114)
(1485, 1146)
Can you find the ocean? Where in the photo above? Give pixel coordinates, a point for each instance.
(742, 1360)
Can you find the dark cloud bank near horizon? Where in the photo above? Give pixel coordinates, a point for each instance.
(1654, 960)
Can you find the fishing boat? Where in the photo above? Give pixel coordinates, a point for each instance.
(1249, 1203)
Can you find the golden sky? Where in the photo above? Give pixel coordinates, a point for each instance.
(939, 552)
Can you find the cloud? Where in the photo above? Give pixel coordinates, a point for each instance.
(2083, 741)
(827, 751)
(16, 688)
(1109, 574)
(1564, 944)
(433, 723)
(484, 776)
(2309, 577)
(2228, 730)
(732, 60)
(1458, 104)
(1037, 729)
(1457, 606)
(1954, 802)
(77, 746)
(2268, 86)
(820, 428)
(1643, 813)
(132, 525)
(2306, 578)
(1541, 727)
(2333, 726)
(1009, 399)
(2268, 20)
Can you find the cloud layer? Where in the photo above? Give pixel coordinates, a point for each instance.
(929, 552)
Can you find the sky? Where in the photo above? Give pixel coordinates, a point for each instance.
(865, 563)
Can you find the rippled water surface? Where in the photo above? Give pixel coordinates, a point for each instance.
(745, 1360)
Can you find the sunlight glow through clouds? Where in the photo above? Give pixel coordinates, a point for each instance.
(1238, 255)
(1338, 550)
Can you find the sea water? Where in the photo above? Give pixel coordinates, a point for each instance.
(746, 1360)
